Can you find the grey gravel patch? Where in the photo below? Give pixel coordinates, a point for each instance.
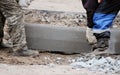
(97, 63)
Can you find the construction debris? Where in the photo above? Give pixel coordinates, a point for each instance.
(98, 63)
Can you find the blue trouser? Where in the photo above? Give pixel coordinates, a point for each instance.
(104, 16)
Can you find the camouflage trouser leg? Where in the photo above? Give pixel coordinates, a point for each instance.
(2, 22)
(13, 13)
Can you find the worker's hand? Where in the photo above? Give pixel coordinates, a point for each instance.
(99, 1)
(24, 3)
(90, 37)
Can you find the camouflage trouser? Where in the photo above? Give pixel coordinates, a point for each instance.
(10, 10)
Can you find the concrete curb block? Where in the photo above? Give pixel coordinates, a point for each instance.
(57, 38)
(65, 39)
(114, 43)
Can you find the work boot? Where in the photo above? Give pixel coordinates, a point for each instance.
(98, 52)
(102, 44)
(4, 45)
(100, 48)
(102, 41)
(106, 40)
(26, 53)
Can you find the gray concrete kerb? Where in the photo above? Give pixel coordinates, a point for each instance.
(57, 38)
(114, 43)
(65, 39)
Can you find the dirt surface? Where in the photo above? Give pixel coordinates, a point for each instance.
(44, 70)
(44, 64)
(57, 5)
(44, 58)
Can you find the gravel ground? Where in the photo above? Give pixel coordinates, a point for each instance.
(106, 64)
(73, 19)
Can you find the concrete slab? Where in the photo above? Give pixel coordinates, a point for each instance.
(57, 38)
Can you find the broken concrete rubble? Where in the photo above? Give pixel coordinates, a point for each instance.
(98, 64)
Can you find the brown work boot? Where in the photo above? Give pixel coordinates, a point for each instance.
(26, 53)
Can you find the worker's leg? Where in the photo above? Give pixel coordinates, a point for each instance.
(103, 18)
(90, 8)
(14, 16)
(2, 22)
